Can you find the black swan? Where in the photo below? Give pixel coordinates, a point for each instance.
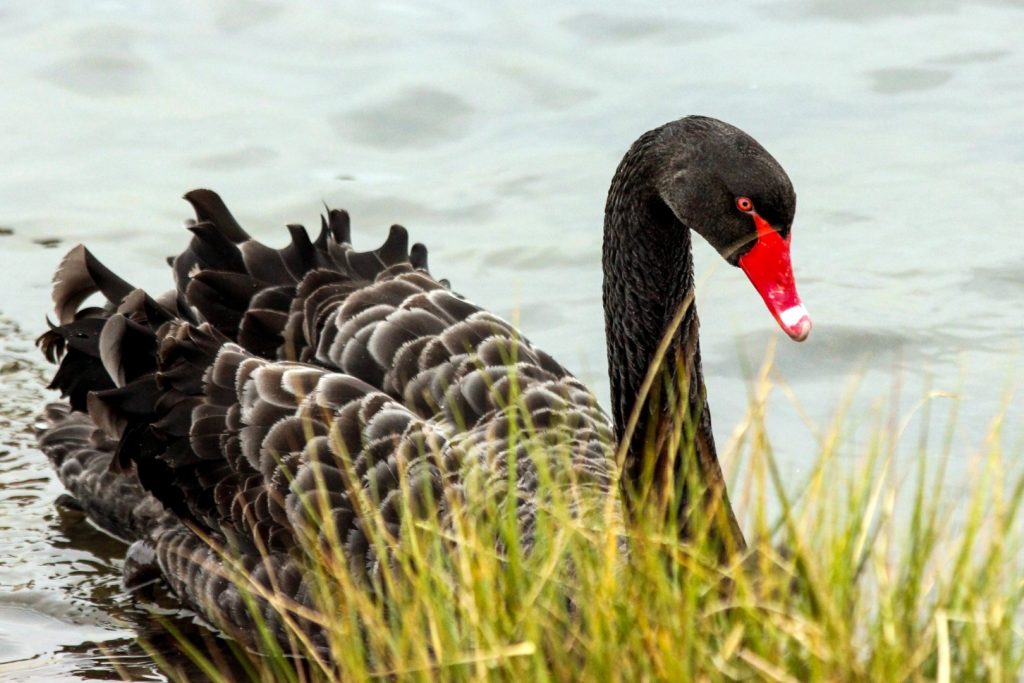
(212, 414)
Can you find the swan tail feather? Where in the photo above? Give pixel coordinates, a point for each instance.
(80, 453)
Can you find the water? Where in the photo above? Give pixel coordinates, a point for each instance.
(492, 133)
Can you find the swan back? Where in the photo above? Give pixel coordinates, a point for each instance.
(273, 389)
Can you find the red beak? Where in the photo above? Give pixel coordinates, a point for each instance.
(770, 271)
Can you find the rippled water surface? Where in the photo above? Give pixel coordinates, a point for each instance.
(492, 133)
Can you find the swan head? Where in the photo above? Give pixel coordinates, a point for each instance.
(725, 186)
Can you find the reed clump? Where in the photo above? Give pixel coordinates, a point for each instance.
(860, 572)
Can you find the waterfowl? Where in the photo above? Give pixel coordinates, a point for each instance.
(211, 415)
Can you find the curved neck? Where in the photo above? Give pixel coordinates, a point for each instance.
(648, 277)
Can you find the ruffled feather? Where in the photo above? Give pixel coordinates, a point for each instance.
(275, 387)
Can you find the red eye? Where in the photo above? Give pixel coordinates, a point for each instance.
(744, 204)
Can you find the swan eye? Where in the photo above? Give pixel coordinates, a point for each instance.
(744, 204)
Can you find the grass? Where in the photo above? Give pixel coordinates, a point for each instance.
(862, 572)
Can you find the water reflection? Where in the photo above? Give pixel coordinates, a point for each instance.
(598, 27)
(904, 80)
(415, 117)
(877, 10)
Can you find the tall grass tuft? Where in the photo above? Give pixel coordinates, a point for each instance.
(862, 572)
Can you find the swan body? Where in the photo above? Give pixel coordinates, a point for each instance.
(270, 384)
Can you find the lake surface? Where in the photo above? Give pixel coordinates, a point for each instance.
(492, 133)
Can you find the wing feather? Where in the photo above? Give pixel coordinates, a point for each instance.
(295, 396)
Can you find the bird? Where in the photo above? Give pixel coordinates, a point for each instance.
(210, 416)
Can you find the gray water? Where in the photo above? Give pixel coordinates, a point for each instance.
(491, 132)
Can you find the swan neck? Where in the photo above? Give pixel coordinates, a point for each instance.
(648, 278)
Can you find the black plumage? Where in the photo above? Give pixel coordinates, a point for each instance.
(273, 387)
